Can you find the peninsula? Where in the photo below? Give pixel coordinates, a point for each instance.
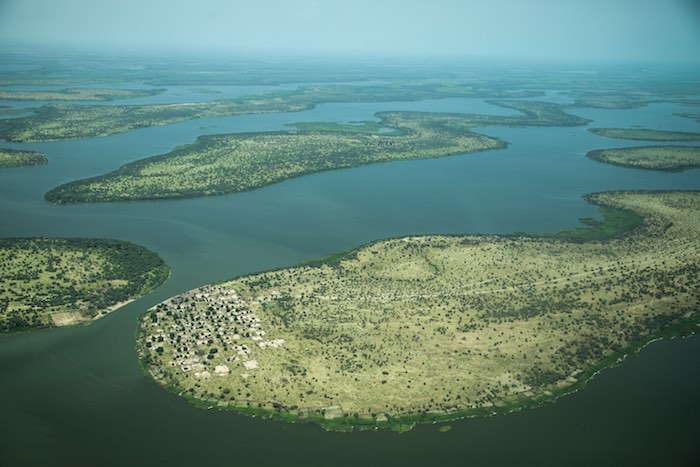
(17, 158)
(669, 158)
(427, 328)
(643, 134)
(220, 164)
(64, 281)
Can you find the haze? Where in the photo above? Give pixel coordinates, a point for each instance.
(594, 29)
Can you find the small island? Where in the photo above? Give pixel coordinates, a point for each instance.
(643, 134)
(48, 282)
(670, 158)
(17, 158)
(429, 328)
(229, 163)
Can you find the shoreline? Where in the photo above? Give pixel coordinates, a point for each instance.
(599, 155)
(405, 423)
(97, 302)
(424, 135)
(351, 419)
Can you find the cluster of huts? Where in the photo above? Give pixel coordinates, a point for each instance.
(208, 327)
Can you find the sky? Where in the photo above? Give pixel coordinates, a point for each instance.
(557, 29)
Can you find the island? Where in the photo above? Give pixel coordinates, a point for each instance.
(669, 158)
(78, 94)
(644, 134)
(220, 164)
(48, 282)
(56, 122)
(18, 158)
(432, 328)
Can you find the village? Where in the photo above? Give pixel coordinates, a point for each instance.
(203, 322)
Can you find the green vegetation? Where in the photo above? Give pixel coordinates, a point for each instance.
(230, 163)
(351, 127)
(222, 164)
(78, 94)
(643, 134)
(59, 122)
(616, 222)
(431, 328)
(59, 282)
(17, 158)
(650, 157)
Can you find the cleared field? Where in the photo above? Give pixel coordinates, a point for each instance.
(650, 157)
(642, 134)
(17, 158)
(221, 164)
(57, 282)
(429, 328)
(78, 94)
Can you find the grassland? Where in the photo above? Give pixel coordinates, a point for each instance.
(57, 282)
(643, 134)
(17, 158)
(221, 164)
(428, 328)
(650, 157)
(57, 122)
(78, 94)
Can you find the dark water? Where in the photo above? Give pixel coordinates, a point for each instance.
(77, 396)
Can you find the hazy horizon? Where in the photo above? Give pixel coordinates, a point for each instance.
(626, 30)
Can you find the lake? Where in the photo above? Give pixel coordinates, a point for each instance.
(78, 397)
